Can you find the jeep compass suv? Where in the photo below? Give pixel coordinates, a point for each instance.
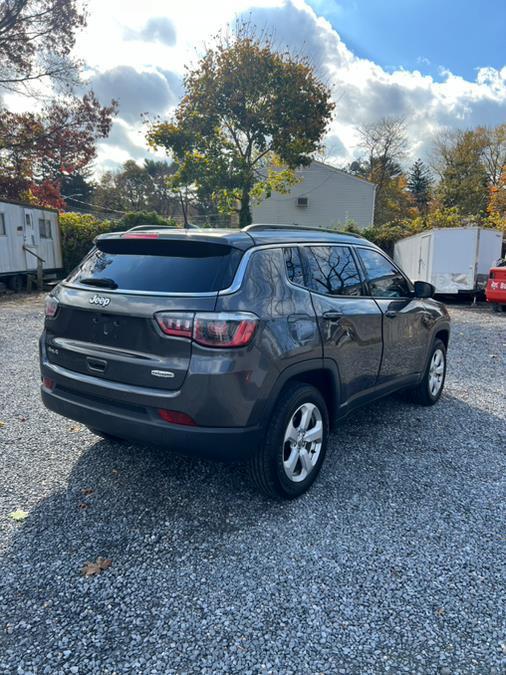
(238, 344)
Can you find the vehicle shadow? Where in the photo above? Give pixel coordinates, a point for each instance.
(145, 506)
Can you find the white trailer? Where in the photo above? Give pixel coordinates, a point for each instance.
(29, 243)
(455, 260)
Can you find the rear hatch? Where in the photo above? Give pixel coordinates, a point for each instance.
(104, 325)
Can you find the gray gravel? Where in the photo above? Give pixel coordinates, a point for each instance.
(394, 562)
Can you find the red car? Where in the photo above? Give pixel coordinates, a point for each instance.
(496, 286)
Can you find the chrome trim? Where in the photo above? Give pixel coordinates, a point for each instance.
(149, 294)
(109, 385)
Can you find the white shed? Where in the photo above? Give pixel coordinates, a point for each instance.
(28, 234)
(325, 197)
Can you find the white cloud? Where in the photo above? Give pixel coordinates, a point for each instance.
(145, 73)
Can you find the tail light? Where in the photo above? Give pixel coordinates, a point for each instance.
(220, 329)
(178, 325)
(176, 417)
(51, 307)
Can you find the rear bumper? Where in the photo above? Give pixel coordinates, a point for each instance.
(97, 406)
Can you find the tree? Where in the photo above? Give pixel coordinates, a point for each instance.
(38, 149)
(464, 180)
(497, 203)
(137, 188)
(493, 151)
(245, 107)
(419, 185)
(36, 38)
(385, 144)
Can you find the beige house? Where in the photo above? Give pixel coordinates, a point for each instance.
(325, 197)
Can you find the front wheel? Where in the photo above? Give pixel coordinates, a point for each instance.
(295, 443)
(431, 387)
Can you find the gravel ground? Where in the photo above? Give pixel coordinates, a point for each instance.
(394, 561)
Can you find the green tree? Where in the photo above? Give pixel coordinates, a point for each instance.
(419, 185)
(464, 178)
(246, 107)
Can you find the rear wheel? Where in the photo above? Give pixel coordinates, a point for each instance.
(430, 388)
(295, 443)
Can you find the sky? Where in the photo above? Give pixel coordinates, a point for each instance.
(436, 63)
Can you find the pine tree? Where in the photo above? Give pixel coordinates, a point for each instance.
(419, 185)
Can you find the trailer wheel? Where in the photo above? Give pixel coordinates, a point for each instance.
(15, 283)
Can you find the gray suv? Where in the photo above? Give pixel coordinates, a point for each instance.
(238, 344)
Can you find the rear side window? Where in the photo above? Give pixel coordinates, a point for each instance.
(332, 270)
(383, 278)
(293, 263)
(158, 266)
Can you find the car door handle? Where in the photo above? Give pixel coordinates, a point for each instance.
(332, 316)
(391, 314)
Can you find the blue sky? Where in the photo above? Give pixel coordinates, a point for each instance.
(460, 36)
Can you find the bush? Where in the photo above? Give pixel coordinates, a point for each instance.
(145, 218)
(78, 230)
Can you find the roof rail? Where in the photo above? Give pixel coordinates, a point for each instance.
(261, 226)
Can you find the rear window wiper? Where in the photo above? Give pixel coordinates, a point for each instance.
(100, 282)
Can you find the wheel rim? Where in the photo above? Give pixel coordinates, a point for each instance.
(436, 372)
(302, 443)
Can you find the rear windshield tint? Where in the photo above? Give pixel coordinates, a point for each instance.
(159, 266)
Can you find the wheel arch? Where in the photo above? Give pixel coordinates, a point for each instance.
(321, 374)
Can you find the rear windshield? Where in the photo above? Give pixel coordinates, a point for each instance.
(158, 266)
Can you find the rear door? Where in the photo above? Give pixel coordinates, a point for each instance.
(105, 325)
(350, 324)
(406, 322)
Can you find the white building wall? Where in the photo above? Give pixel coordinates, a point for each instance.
(23, 228)
(334, 197)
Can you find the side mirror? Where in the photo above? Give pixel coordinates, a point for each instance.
(424, 290)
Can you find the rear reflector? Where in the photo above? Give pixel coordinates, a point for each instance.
(48, 383)
(210, 329)
(51, 307)
(175, 417)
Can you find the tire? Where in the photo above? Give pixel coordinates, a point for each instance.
(287, 468)
(496, 307)
(428, 392)
(105, 435)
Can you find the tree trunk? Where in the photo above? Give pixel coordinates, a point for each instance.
(245, 210)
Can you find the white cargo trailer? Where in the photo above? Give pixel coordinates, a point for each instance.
(29, 243)
(454, 260)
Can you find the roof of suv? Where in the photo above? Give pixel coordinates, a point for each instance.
(253, 235)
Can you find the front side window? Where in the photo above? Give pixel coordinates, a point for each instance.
(3, 231)
(333, 271)
(384, 279)
(294, 266)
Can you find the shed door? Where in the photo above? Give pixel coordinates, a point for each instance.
(423, 261)
(30, 240)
